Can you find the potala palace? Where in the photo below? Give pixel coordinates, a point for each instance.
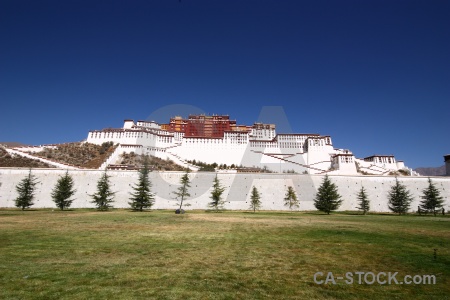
(218, 139)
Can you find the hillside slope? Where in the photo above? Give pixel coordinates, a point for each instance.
(16, 161)
(83, 155)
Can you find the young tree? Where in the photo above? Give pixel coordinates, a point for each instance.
(183, 191)
(327, 197)
(291, 199)
(26, 189)
(432, 199)
(255, 199)
(399, 198)
(62, 191)
(217, 202)
(363, 201)
(104, 196)
(142, 197)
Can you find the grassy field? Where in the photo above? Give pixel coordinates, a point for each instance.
(85, 254)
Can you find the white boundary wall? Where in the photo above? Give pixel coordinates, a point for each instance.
(238, 187)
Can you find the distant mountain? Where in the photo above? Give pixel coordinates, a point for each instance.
(438, 171)
(12, 144)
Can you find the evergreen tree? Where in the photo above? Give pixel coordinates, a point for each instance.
(183, 191)
(327, 197)
(363, 201)
(255, 199)
(217, 202)
(142, 197)
(432, 198)
(291, 199)
(104, 196)
(62, 191)
(26, 189)
(399, 198)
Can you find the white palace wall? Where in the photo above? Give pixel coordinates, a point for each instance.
(238, 187)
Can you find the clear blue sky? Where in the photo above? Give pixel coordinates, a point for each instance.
(375, 75)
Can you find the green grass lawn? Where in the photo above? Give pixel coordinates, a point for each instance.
(85, 254)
